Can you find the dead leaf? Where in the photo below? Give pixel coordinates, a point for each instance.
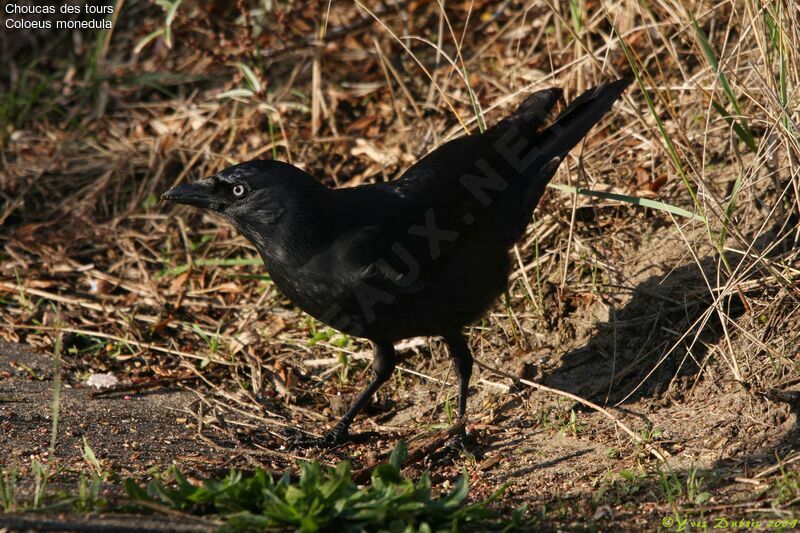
(382, 156)
(178, 283)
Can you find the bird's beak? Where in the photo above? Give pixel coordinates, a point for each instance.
(198, 194)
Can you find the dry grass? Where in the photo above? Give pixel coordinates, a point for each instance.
(687, 325)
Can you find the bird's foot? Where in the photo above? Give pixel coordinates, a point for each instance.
(333, 438)
(451, 450)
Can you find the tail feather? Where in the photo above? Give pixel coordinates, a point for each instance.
(569, 127)
(577, 119)
(553, 144)
(533, 111)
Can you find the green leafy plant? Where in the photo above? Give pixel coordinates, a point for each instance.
(786, 487)
(323, 498)
(8, 490)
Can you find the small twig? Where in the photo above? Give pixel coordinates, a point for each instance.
(148, 319)
(240, 449)
(169, 511)
(788, 460)
(144, 345)
(149, 384)
(331, 361)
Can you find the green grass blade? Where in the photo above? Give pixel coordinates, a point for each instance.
(740, 130)
(144, 41)
(673, 153)
(237, 93)
(238, 261)
(576, 13)
(743, 131)
(737, 185)
(253, 81)
(635, 200)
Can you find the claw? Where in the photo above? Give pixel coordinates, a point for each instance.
(333, 438)
(451, 450)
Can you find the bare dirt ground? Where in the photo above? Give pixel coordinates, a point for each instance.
(130, 433)
(558, 458)
(654, 350)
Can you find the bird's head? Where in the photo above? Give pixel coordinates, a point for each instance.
(277, 206)
(252, 194)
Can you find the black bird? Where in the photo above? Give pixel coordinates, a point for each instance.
(423, 255)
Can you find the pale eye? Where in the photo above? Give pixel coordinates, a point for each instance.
(238, 190)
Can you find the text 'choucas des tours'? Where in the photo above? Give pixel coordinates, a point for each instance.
(25, 16)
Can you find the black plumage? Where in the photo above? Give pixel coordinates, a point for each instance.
(423, 255)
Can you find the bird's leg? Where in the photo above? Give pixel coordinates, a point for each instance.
(462, 359)
(383, 364)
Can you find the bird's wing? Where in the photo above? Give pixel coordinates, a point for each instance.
(468, 188)
(477, 188)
